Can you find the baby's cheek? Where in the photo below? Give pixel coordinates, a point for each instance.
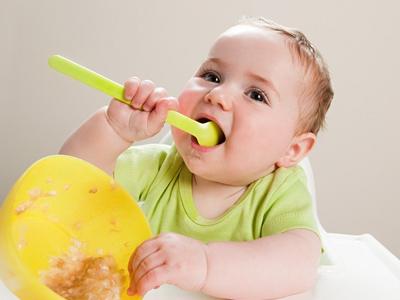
(190, 96)
(186, 101)
(176, 134)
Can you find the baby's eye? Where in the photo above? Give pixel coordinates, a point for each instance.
(211, 76)
(257, 95)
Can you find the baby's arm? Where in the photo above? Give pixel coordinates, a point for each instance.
(267, 268)
(111, 130)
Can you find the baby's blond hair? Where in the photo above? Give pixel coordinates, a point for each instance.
(317, 84)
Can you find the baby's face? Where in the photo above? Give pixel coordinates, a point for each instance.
(249, 85)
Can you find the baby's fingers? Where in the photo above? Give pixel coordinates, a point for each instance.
(159, 114)
(154, 97)
(145, 89)
(146, 265)
(131, 87)
(145, 249)
(152, 279)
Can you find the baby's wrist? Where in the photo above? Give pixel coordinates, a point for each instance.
(118, 137)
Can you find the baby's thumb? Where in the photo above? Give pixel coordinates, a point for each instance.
(172, 103)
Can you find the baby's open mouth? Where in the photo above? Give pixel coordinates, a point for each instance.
(222, 137)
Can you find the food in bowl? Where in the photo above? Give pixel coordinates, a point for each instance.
(76, 276)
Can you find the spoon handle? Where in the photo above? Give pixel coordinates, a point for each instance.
(112, 88)
(183, 122)
(88, 77)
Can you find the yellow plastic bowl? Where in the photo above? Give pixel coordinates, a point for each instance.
(77, 201)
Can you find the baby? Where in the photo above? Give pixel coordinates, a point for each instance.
(234, 220)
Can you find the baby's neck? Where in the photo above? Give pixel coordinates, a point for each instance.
(213, 198)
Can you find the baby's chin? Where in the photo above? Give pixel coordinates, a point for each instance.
(223, 180)
(220, 176)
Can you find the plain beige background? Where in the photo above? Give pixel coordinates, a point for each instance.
(356, 161)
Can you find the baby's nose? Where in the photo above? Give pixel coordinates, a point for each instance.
(219, 97)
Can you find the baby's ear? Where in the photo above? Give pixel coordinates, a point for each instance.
(299, 148)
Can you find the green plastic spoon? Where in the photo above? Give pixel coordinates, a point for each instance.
(207, 134)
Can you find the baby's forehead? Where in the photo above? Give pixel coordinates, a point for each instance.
(245, 32)
(260, 49)
(248, 40)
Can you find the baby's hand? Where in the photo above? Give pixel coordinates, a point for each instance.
(168, 258)
(145, 116)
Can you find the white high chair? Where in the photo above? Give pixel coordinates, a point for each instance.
(353, 267)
